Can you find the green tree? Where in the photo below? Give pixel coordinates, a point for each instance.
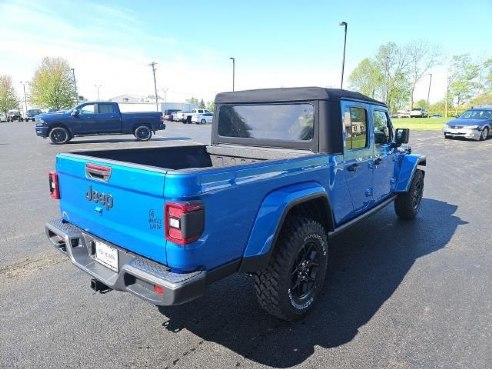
(393, 63)
(211, 105)
(8, 97)
(193, 101)
(422, 57)
(202, 104)
(462, 79)
(52, 85)
(367, 78)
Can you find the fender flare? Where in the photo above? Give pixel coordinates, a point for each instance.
(408, 166)
(270, 218)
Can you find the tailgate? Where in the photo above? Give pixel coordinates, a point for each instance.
(117, 202)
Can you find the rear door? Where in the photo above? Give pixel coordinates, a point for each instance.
(108, 118)
(357, 154)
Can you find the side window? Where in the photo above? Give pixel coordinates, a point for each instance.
(382, 129)
(355, 127)
(105, 108)
(87, 109)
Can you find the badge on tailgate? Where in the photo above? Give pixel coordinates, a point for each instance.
(102, 198)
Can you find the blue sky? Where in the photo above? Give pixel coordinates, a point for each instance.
(275, 43)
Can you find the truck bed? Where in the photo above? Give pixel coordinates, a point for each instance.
(194, 157)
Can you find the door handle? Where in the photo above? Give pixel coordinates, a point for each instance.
(353, 167)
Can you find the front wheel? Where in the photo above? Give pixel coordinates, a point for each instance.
(143, 133)
(407, 204)
(485, 134)
(59, 135)
(204, 121)
(289, 286)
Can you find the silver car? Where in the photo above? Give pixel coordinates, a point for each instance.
(475, 124)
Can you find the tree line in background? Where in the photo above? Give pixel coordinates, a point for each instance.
(393, 73)
(390, 76)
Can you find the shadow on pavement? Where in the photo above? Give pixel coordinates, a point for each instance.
(367, 264)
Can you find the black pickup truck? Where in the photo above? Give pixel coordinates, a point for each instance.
(97, 118)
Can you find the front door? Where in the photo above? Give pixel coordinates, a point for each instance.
(357, 155)
(383, 162)
(85, 121)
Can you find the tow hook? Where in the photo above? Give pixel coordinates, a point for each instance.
(99, 287)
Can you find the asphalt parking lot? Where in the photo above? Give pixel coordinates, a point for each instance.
(398, 294)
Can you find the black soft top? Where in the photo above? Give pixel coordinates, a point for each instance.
(291, 94)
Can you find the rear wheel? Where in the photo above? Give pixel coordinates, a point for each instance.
(59, 135)
(485, 134)
(289, 286)
(142, 133)
(407, 204)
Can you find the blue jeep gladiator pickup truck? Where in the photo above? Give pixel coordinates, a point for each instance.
(287, 168)
(97, 118)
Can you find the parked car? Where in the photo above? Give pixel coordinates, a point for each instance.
(169, 114)
(278, 179)
(401, 114)
(31, 113)
(13, 115)
(475, 123)
(436, 116)
(202, 118)
(418, 113)
(97, 118)
(187, 116)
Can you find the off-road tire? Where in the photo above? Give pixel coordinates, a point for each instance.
(59, 135)
(407, 204)
(142, 133)
(275, 285)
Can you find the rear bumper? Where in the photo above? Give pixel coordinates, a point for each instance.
(135, 274)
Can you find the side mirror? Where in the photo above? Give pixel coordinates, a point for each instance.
(401, 136)
(75, 113)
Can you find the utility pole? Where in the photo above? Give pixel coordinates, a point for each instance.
(233, 71)
(75, 86)
(153, 64)
(25, 100)
(344, 24)
(97, 88)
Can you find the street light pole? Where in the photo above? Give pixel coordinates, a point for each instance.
(344, 24)
(233, 71)
(75, 86)
(164, 90)
(98, 87)
(25, 100)
(429, 91)
(153, 64)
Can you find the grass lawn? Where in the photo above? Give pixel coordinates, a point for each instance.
(420, 124)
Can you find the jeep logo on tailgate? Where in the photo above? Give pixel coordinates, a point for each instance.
(102, 198)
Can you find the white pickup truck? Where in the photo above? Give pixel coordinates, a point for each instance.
(185, 117)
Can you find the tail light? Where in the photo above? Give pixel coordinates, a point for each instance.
(54, 188)
(184, 221)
